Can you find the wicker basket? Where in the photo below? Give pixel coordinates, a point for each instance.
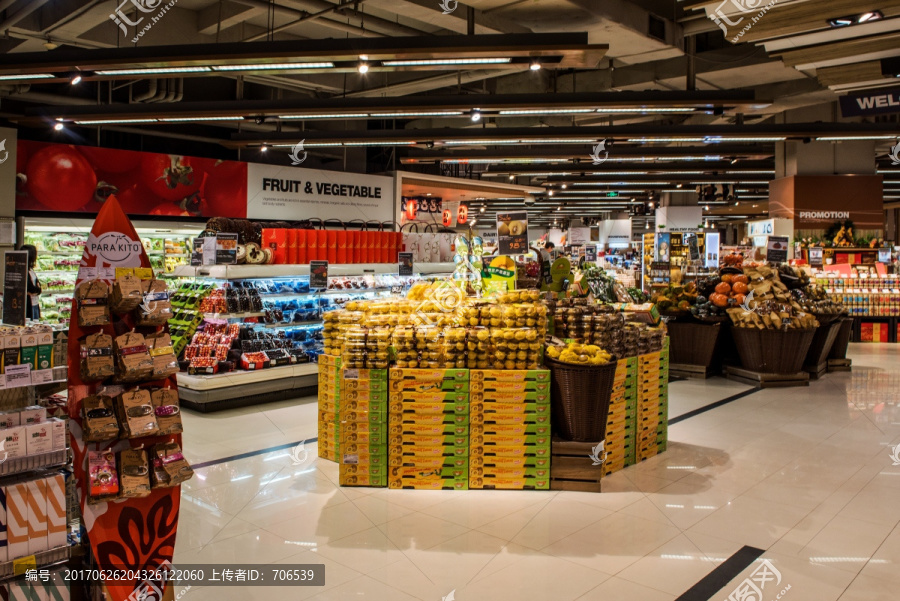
(821, 345)
(842, 339)
(772, 351)
(693, 343)
(580, 399)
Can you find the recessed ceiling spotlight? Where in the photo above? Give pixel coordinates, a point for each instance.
(476, 115)
(706, 208)
(550, 193)
(512, 177)
(535, 66)
(564, 186)
(680, 186)
(263, 148)
(58, 126)
(76, 79)
(363, 68)
(866, 17)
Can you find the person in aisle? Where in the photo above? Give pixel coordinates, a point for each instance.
(33, 289)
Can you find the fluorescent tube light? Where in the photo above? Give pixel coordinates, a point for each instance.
(446, 61)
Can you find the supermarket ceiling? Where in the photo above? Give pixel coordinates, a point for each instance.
(686, 92)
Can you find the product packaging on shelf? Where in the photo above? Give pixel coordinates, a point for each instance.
(136, 414)
(14, 441)
(167, 410)
(102, 474)
(132, 357)
(93, 303)
(37, 516)
(97, 361)
(134, 473)
(99, 421)
(155, 309)
(38, 438)
(16, 520)
(126, 294)
(56, 511)
(169, 467)
(165, 363)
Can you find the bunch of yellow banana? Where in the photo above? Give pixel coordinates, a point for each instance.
(579, 354)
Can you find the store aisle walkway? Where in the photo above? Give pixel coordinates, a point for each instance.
(804, 474)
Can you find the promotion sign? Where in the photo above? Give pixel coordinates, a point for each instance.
(777, 249)
(512, 233)
(405, 266)
(663, 247)
(294, 193)
(15, 285)
(590, 254)
(693, 246)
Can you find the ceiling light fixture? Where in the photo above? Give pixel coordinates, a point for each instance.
(475, 116)
(546, 111)
(184, 119)
(422, 114)
(26, 77)
(446, 61)
(535, 66)
(113, 121)
(58, 126)
(866, 17)
(564, 186)
(76, 79)
(325, 116)
(647, 110)
(273, 66)
(154, 71)
(363, 68)
(853, 138)
(263, 148)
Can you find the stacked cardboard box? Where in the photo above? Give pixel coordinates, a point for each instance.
(621, 425)
(663, 429)
(32, 515)
(652, 411)
(363, 427)
(429, 429)
(329, 405)
(510, 429)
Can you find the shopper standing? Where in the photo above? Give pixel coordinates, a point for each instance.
(33, 289)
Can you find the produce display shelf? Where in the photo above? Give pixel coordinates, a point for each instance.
(245, 388)
(246, 272)
(17, 465)
(313, 322)
(234, 315)
(42, 559)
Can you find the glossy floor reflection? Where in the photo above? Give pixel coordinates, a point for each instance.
(804, 473)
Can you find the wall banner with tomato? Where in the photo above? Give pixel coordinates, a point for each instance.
(291, 193)
(79, 179)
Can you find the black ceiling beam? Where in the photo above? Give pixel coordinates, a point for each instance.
(797, 131)
(485, 102)
(187, 55)
(585, 166)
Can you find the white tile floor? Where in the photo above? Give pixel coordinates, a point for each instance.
(805, 474)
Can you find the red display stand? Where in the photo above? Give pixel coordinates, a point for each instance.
(136, 533)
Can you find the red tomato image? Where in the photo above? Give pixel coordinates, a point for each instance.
(168, 208)
(136, 199)
(110, 160)
(60, 178)
(225, 191)
(169, 176)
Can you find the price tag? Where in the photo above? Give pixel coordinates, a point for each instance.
(396, 289)
(23, 564)
(143, 273)
(106, 273)
(41, 376)
(87, 273)
(18, 375)
(123, 271)
(351, 374)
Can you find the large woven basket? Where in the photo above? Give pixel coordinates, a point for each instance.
(772, 351)
(580, 399)
(693, 343)
(821, 344)
(842, 339)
